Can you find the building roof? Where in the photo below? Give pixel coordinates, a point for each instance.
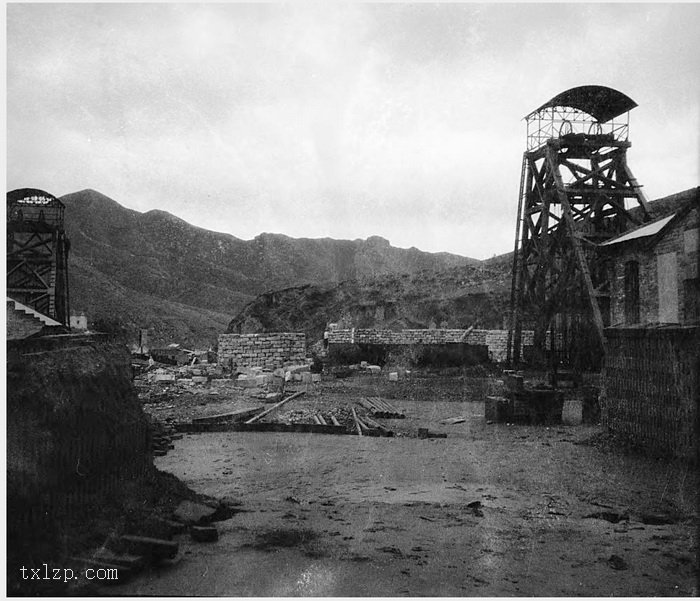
(599, 102)
(644, 231)
(673, 203)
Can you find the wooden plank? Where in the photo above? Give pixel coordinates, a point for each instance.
(335, 421)
(271, 409)
(321, 420)
(383, 429)
(365, 402)
(369, 403)
(317, 420)
(238, 415)
(513, 353)
(357, 425)
(364, 427)
(289, 428)
(381, 405)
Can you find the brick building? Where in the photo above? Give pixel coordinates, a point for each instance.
(654, 276)
(650, 375)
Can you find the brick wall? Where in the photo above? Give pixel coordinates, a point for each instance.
(650, 387)
(494, 340)
(269, 350)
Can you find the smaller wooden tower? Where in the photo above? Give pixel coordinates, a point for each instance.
(37, 253)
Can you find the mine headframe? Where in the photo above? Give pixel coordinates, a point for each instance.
(576, 191)
(37, 253)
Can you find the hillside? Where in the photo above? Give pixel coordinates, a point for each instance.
(457, 297)
(183, 282)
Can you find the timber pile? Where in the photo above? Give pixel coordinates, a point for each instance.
(380, 408)
(366, 426)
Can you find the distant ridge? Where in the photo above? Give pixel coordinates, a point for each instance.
(156, 270)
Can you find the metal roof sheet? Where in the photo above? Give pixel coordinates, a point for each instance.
(600, 102)
(641, 232)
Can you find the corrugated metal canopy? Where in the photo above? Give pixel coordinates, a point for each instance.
(599, 102)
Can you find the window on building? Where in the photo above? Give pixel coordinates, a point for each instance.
(631, 292)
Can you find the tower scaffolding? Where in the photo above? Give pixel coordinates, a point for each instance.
(576, 191)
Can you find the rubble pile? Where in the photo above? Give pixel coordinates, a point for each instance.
(162, 436)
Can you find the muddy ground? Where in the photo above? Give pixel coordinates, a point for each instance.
(490, 510)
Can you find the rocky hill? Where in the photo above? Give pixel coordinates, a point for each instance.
(130, 269)
(456, 297)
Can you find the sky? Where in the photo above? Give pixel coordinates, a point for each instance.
(335, 120)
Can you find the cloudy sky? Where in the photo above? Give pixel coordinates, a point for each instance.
(338, 120)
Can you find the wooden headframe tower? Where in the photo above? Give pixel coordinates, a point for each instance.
(576, 191)
(37, 253)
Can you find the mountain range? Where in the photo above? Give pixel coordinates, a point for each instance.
(131, 270)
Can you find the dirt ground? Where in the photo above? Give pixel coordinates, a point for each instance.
(490, 510)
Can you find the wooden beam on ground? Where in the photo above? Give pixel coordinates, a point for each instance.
(357, 423)
(385, 431)
(365, 402)
(233, 416)
(271, 409)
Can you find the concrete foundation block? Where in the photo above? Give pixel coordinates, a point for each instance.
(572, 412)
(164, 378)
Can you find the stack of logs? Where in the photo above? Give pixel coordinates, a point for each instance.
(380, 408)
(368, 427)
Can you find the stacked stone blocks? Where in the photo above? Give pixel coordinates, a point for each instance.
(268, 350)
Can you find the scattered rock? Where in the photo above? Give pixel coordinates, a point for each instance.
(609, 516)
(657, 519)
(189, 512)
(617, 563)
(453, 420)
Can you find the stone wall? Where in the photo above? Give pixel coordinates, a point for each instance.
(495, 340)
(651, 386)
(269, 350)
(676, 251)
